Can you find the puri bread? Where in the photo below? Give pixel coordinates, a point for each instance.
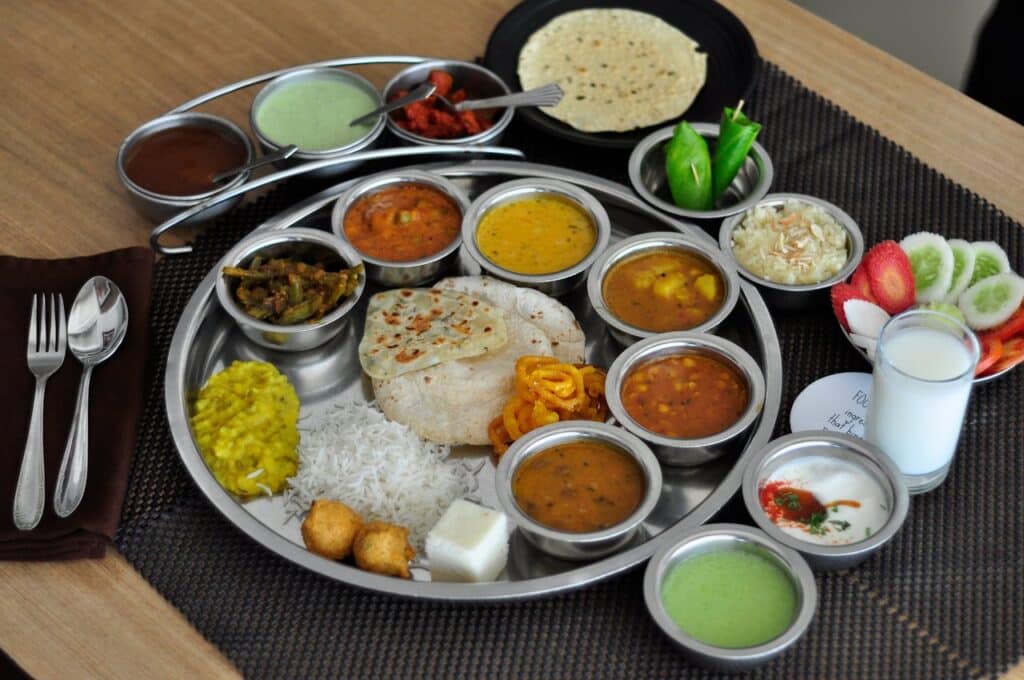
(453, 402)
(555, 319)
(412, 328)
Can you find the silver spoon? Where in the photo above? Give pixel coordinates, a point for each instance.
(546, 95)
(96, 327)
(279, 155)
(421, 91)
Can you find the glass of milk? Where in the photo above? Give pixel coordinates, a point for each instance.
(924, 371)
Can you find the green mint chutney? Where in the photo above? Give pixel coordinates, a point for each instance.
(730, 598)
(313, 114)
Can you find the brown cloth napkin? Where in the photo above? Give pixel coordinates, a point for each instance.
(115, 403)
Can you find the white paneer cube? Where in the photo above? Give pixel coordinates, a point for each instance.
(469, 544)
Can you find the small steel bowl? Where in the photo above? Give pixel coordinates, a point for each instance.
(647, 174)
(568, 545)
(414, 272)
(555, 283)
(367, 141)
(792, 297)
(678, 451)
(626, 334)
(160, 207)
(712, 538)
(842, 447)
(297, 337)
(479, 82)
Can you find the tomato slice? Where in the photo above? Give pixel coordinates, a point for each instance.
(992, 351)
(1009, 328)
(1013, 354)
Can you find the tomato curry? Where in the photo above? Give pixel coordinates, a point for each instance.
(403, 223)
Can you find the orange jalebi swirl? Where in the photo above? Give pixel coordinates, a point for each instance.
(548, 391)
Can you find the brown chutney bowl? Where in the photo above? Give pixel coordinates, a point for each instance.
(158, 207)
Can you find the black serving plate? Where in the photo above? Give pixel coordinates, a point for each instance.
(732, 58)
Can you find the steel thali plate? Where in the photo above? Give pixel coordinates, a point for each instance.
(206, 340)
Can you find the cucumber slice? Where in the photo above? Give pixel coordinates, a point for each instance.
(952, 311)
(947, 309)
(989, 259)
(931, 260)
(963, 268)
(992, 300)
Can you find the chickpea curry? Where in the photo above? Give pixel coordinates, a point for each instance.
(685, 396)
(664, 290)
(579, 487)
(403, 223)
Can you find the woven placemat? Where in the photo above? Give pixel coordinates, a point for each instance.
(943, 600)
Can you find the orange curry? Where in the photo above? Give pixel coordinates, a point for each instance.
(403, 223)
(685, 396)
(579, 487)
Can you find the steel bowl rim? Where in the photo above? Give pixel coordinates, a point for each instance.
(300, 74)
(634, 245)
(684, 341)
(249, 246)
(169, 121)
(885, 473)
(786, 558)
(516, 189)
(498, 127)
(374, 183)
(842, 218)
(566, 431)
(766, 172)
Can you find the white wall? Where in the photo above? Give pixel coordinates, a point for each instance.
(935, 36)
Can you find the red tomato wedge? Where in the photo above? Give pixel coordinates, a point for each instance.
(991, 352)
(1013, 354)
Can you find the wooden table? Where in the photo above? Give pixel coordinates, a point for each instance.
(79, 76)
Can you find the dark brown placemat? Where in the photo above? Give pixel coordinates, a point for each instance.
(943, 600)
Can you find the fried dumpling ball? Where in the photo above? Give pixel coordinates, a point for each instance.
(330, 528)
(384, 549)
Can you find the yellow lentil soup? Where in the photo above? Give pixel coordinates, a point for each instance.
(538, 235)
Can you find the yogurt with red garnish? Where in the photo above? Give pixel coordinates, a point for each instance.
(824, 501)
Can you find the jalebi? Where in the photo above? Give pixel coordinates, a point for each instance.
(548, 391)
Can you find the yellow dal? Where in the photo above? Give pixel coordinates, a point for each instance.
(538, 235)
(245, 420)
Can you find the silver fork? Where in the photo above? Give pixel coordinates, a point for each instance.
(547, 95)
(46, 347)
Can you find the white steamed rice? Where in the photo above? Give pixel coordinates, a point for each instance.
(379, 468)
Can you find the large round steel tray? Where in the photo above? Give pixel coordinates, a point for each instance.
(206, 340)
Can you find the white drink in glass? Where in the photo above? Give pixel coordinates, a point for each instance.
(924, 371)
